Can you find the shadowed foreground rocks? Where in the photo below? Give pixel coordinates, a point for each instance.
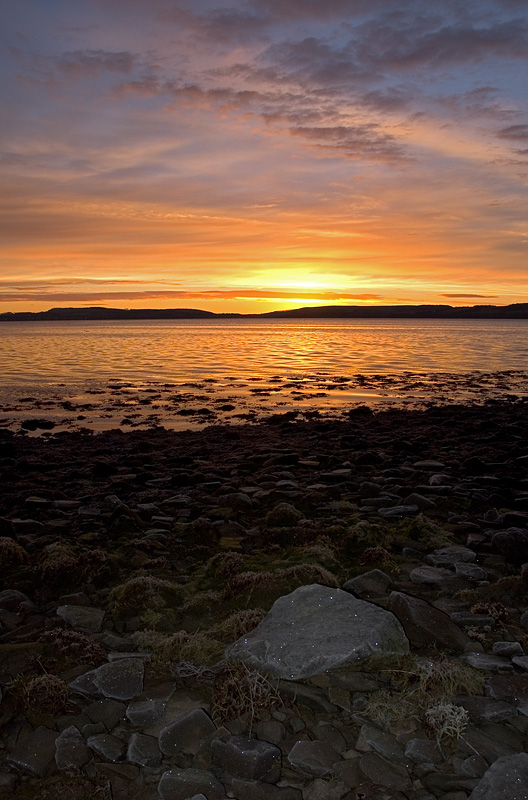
(290, 611)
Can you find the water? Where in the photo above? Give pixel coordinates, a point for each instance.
(148, 371)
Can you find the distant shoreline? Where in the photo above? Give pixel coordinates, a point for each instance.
(98, 313)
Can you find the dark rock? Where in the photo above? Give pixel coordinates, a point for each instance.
(506, 779)
(512, 544)
(313, 758)
(426, 625)
(249, 759)
(181, 784)
(35, 754)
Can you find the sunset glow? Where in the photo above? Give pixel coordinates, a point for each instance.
(263, 154)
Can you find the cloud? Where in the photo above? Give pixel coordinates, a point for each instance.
(212, 294)
(92, 63)
(514, 132)
(360, 141)
(471, 296)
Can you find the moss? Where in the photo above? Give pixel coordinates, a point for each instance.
(197, 648)
(283, 515)
(11, 554)
(141, 593)
(423, 529)
(64, 648)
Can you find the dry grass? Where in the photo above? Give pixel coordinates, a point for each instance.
(242, 693)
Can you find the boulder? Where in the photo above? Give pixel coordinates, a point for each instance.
(426, 625)
(316, 629)
(506, 779)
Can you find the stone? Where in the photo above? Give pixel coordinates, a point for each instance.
(109, 712)
(315, 629)
(397, 512)
(508, 649)
(423, 751)
(324, 732)
(145, 712)
(186, 733)
(521, 662)
(313, 758)
(426, 625)
(430, 576)
(120, 680)
(35, 754)
(470, 571)
(11, 599)
(449, 556)
(107, 746)
(486, 708)
(511, 543)
(381, 742)
(506, 779)
(310, 696)
(85, 684)
(82, 618)
(416, 499)
(369, 583)
(249, 759)
(490, 663)
(181, 784)
(320, 789)
(143, 750)
(380, 771)
(71, 752)
(257, 790)
(510, 688)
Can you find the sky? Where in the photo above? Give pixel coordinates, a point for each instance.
(252, 155)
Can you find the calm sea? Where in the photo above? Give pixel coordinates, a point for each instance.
(257, 366)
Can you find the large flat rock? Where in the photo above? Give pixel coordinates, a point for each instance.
(316, 629)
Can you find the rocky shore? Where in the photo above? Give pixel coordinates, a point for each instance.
(294, 610)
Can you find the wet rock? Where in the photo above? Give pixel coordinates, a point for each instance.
(186, 733)
(506, 779)
(313, 758)
(449, 556)
(315, 629)
(381, 771)
(120, 680)
(145, 712)
(369, 583)
(82, 618)
(257, 790)
(181, 784)
(249, 759)
(107, 746)
(426, 625)
(71, 751)
(35, 754)
(143, 750)
(512, 544)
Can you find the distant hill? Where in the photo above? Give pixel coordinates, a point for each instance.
(515, 311)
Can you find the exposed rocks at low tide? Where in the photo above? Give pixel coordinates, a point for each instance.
(130, 562)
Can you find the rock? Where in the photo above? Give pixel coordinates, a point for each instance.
(315, 629)
(257, 790)
(249, 759)
(312, 697)
(120, 680)
(143, 750)
(510, 688)
(416, 499)
(145, 712)
(430, 576)
(486, 709)
(369, 583)
(82, 618)
(35, 754)
(109, 712)
(506, 779)
(107, 746)
(320, 789)
(181, 784)
(313, 758)
(511, 543)
(423, 751)
(380, 771)
(449, 556)
(470, 571)
(395, 512)
(426, 625)
(10, 599)
(508, 649)
(490, 663)
(520, 661)
(186, 733)
(383, 743)
(70, 750)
